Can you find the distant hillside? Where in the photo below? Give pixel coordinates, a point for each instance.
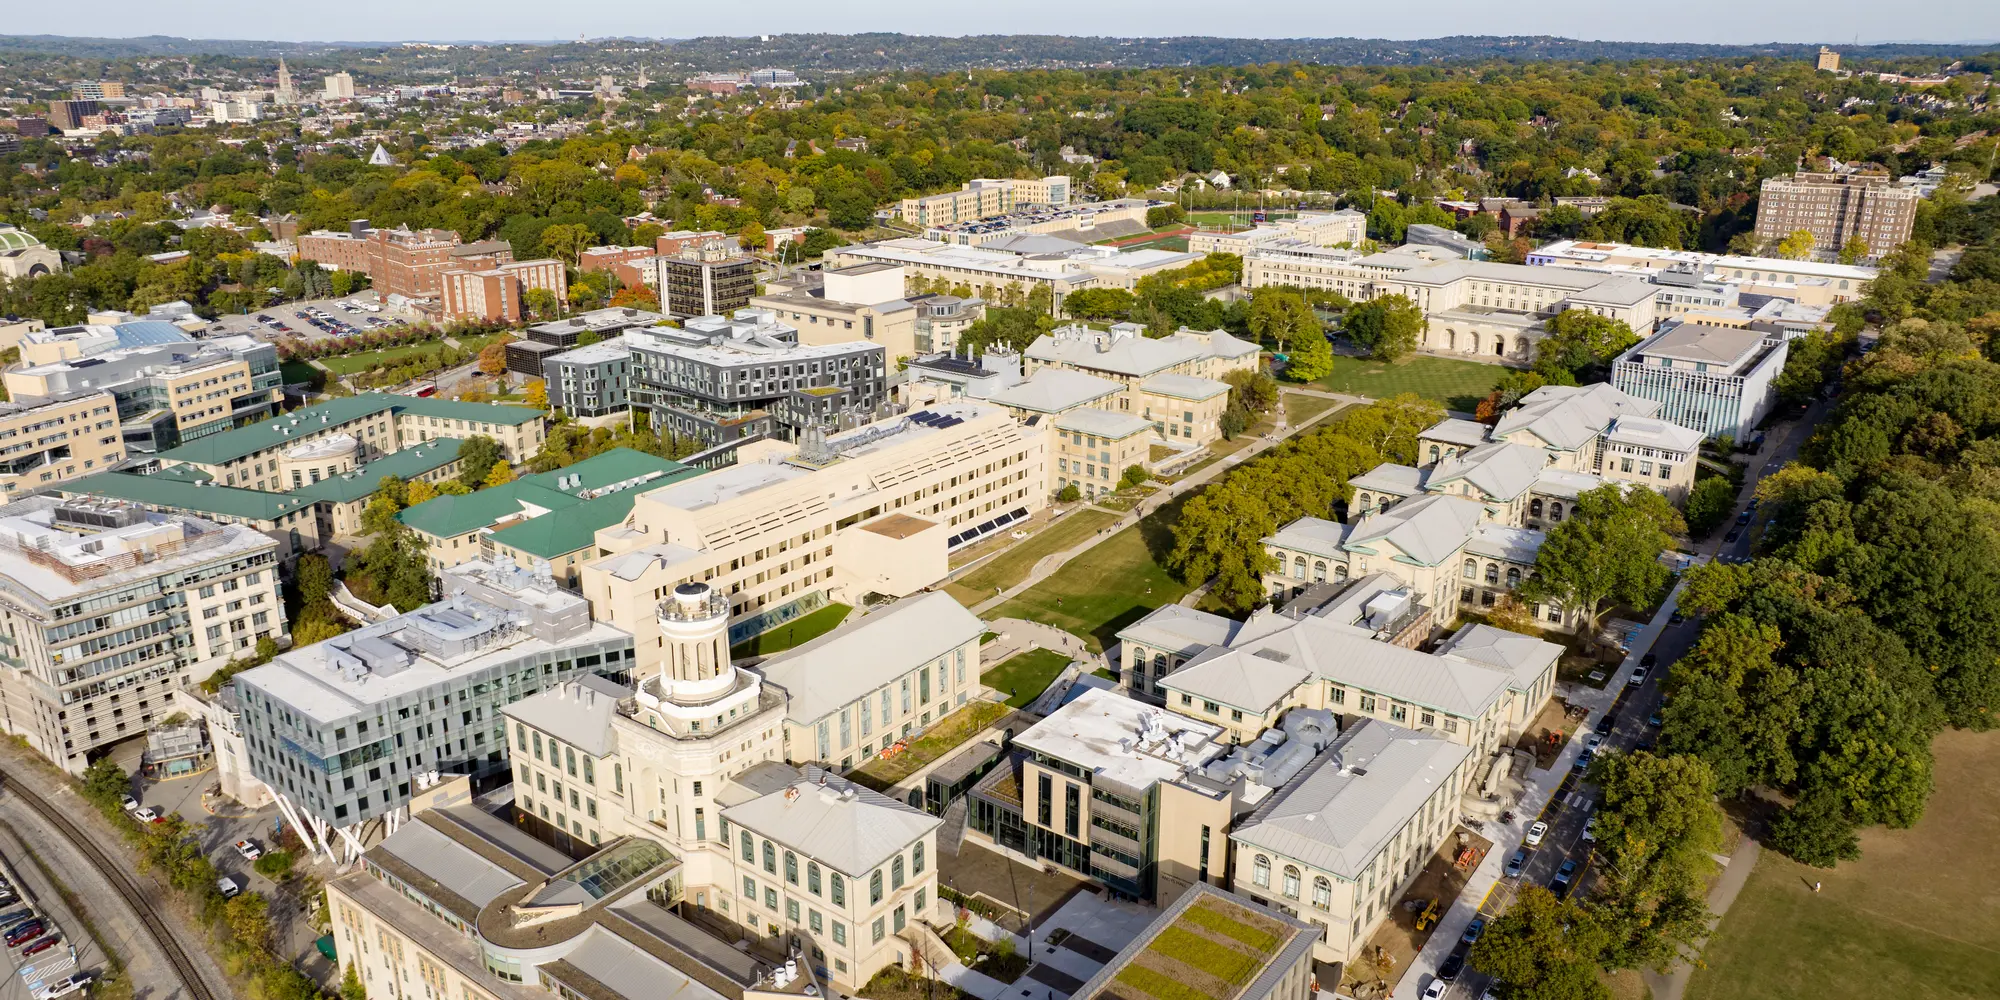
(872, 52)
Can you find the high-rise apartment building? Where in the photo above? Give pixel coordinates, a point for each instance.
(1836, 208)
(106, 610)
(68, 115)
(719, 378)
(340, 87)
(1829, 60)
(704, 279)
(58, 438)
(402, 261)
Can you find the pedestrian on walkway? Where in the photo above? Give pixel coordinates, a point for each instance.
(1815, 886)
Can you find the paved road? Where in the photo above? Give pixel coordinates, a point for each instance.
(1626, 725)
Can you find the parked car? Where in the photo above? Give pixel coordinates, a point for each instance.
(146, 814)
(1453, 965)
(1536, 833)
(129, 803)
(24, 932)
(1492, 991)
(1565, 875)
(1638, 677)
(1473, 930)
(1516, 863)
(41, 946)
(1593, 741)
(249, 850)
(1649, 659)
(1743, 518)
(228, 887)
(1654, 720)
(64, 986)
(1590, 831)
(1676, 618)
(1734, 534)
(1435, 991)
(1583, 761)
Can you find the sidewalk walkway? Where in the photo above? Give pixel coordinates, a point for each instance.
(1048, 565)
(1735, 873)
(1541, 787)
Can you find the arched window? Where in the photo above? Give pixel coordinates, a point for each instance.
(770, 858)
(1291, 882)
(1472, 569)
(1843, 284)
(1555, 511)
(1434, 453)
(1535, 508)
(1319, 571)
(1322, 892)
(917, 859)
(1363, 500)
(896, 872)
(1500, 346)
(1159, 663)
(1492, 573)
(791, 868)
(1299, 567)
(1513, 577)
(1340, 571)
(1260, 872)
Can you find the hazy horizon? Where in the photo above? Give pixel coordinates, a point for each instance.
(1749, 23)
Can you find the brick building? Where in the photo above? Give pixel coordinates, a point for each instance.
(498, 294)
(402, 261)
(1836, 208)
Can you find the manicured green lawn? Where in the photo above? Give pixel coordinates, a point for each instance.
(1174, 243)
(1916, 918)
(1459, 385)
(1300, 407)
(298, 371)
(1109, 587)
(351, 363)
(1013, 565)
(1024, 676)
(796, 632)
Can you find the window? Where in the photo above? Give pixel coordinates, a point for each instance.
(813, 921)
(812, 877)
(749, 888)
(917, 860)
(875, 887)
(792, 910)
(770, 858)
(1471, 569)
(878, 930)
(839, 932)
(1368, 703)
(896, 873)
(749, 847)
(791, 868)
(1260, 872)
(837, 888)
(1322, 892)
(770, 899)
(1291, 887)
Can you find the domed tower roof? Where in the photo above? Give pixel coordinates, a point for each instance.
(16, 239)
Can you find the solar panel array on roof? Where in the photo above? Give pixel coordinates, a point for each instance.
(937, 420)
(986, 527)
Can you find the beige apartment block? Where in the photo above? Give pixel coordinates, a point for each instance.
(1093, 448)
(55, 440)
(789, 527)
(1836, 208)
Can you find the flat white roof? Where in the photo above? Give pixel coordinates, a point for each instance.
(1111, 736)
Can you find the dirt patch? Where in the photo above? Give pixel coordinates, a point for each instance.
(1382, 960)
(1553, 721)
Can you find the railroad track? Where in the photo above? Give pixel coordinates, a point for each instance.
(121, 880)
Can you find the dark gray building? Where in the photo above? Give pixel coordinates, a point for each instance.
(546, 340)
(720, 378)
(590, 381)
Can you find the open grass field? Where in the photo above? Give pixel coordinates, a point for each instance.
(1459, 385)
(1174, 243)
(1024, 676)
(1300, 407)
(1109, 587)
(796, 632)
(351, 363)
(1013, 565)
(1917, 918)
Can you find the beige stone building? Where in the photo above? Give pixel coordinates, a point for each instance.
(985, 198)
(1093, 448)
(57, 439)
(787, 528)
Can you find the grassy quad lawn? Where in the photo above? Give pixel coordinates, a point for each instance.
(1024, 676)
(1300, 407)
(1013, 565)
(1459, 385)
(348, 364)
(796, 632)
(1113, 585)
(1916, 918)
(948, 735)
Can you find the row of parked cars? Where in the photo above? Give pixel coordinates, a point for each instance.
(29, 934)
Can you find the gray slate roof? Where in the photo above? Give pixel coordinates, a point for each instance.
(1175, 627)
(863, 654)
(576, 712)
(1316, 535)
(1353, 798)
(1055, 390)
(1524, 657)
(449, 863)
(1567, 416)
(844, 826)
(1428, 529)
(1389, 477)
(1499, 470)
(1456, 431)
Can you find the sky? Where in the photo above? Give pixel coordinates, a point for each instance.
(1744, 21)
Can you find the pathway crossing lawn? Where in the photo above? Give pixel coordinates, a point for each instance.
(796, 632)
(1459, 385)
(1025, 675)
(1300, 407)
(1917, 918)
(1109, 587)
(1013, 565)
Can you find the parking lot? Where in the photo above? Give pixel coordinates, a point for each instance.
(315, 319)
(45, 944)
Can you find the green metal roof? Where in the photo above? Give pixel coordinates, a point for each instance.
(17, 239)
(446, 517)
(217, 449)
(571, 522)
(182, 474)
(409, 463)
(162, 491)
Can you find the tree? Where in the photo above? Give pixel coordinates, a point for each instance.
(751, 237)
(476, 456)
(566, 242)
(1580, 347)
(1310, 360)
(1708, 505)
(1253, 392)
(351, 986)
(1389, 326)
(1656, 825)
(1854, 251)
(541, 302)
(420, 491)
(1162, 216)
(1132, 476)
(537, 393)
(249, 918)
(493, 359)
(635, 297)
(1069, 493)
(1797, 246)
(1810, 362)
(105, 784)
(315, 576)
(275, 865)
(1544, 948)
(1608, 549)
(1099, 304)
(500, 474)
